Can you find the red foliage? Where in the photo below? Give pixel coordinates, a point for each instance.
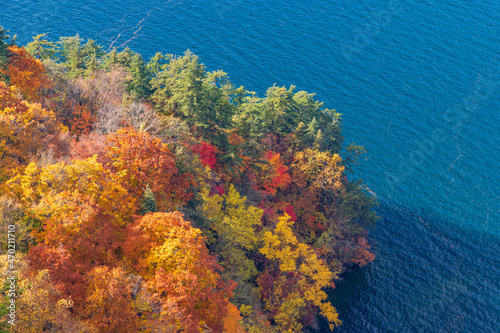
(67, 277)
(82, 119)
(218, 190)
(207, 153)
(69, 249)
(269, 213)
(291, 213)
(362, 255)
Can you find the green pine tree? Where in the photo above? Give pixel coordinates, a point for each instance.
(41, 48)
(148, 202)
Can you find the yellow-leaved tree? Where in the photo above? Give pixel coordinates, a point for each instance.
(294, 280)
(47, 189)
(324, 170)
(234, 222)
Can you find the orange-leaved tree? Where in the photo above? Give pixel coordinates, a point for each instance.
(108, 302)
(25, 129)
(81, 210)
(275, 173)
(142, 160)
(173, 258)
(26, 73)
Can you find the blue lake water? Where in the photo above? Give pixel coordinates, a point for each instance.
(417, 83)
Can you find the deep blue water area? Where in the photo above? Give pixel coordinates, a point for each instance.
(417, 83)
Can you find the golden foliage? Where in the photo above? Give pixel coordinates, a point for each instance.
(323, 169)
(25, 129)
(311, 275)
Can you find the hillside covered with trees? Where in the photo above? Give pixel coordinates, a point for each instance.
(155, 196)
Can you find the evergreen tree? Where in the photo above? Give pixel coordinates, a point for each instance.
(148, 202)
(138, 87)
(178, 89)
(41, 48)
(157, 63)
(72, 55)
(110, 59)
(92, 54)
(124, 57)
(203, 100)
(4, 52)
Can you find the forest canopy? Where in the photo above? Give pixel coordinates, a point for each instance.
(156, 196)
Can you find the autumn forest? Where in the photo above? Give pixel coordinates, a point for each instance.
(155, 196)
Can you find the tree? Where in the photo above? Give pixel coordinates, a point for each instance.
(274, 173)
(56, 189)
(41, 49)
(4, 52)
(297, 278)
(233, 319)
(42, 307)
(157, 63)
(234, 223)
(25, 129)
(109, 303)
(283, 112)
(279, 110)
(201, 99)
(138, 86)
(73, 54)
(82, 120)
(178, 88)
(323, 126)
(140, 159)
(207, 153)
(172, 256)
(87, 146)
(26, 73)
(217, 110)
(232, 218)
(92, 54)
(323, 169)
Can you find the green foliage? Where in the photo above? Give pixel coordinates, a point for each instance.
(4, 302)
(138, 87)
(148, 202)
(92, 54)
(40, 48)
(178, 88)
(157, 62)
(72, 55)
(80, 58)
(202, 99)
(4, 53)
(283, 112)
(234, 223)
